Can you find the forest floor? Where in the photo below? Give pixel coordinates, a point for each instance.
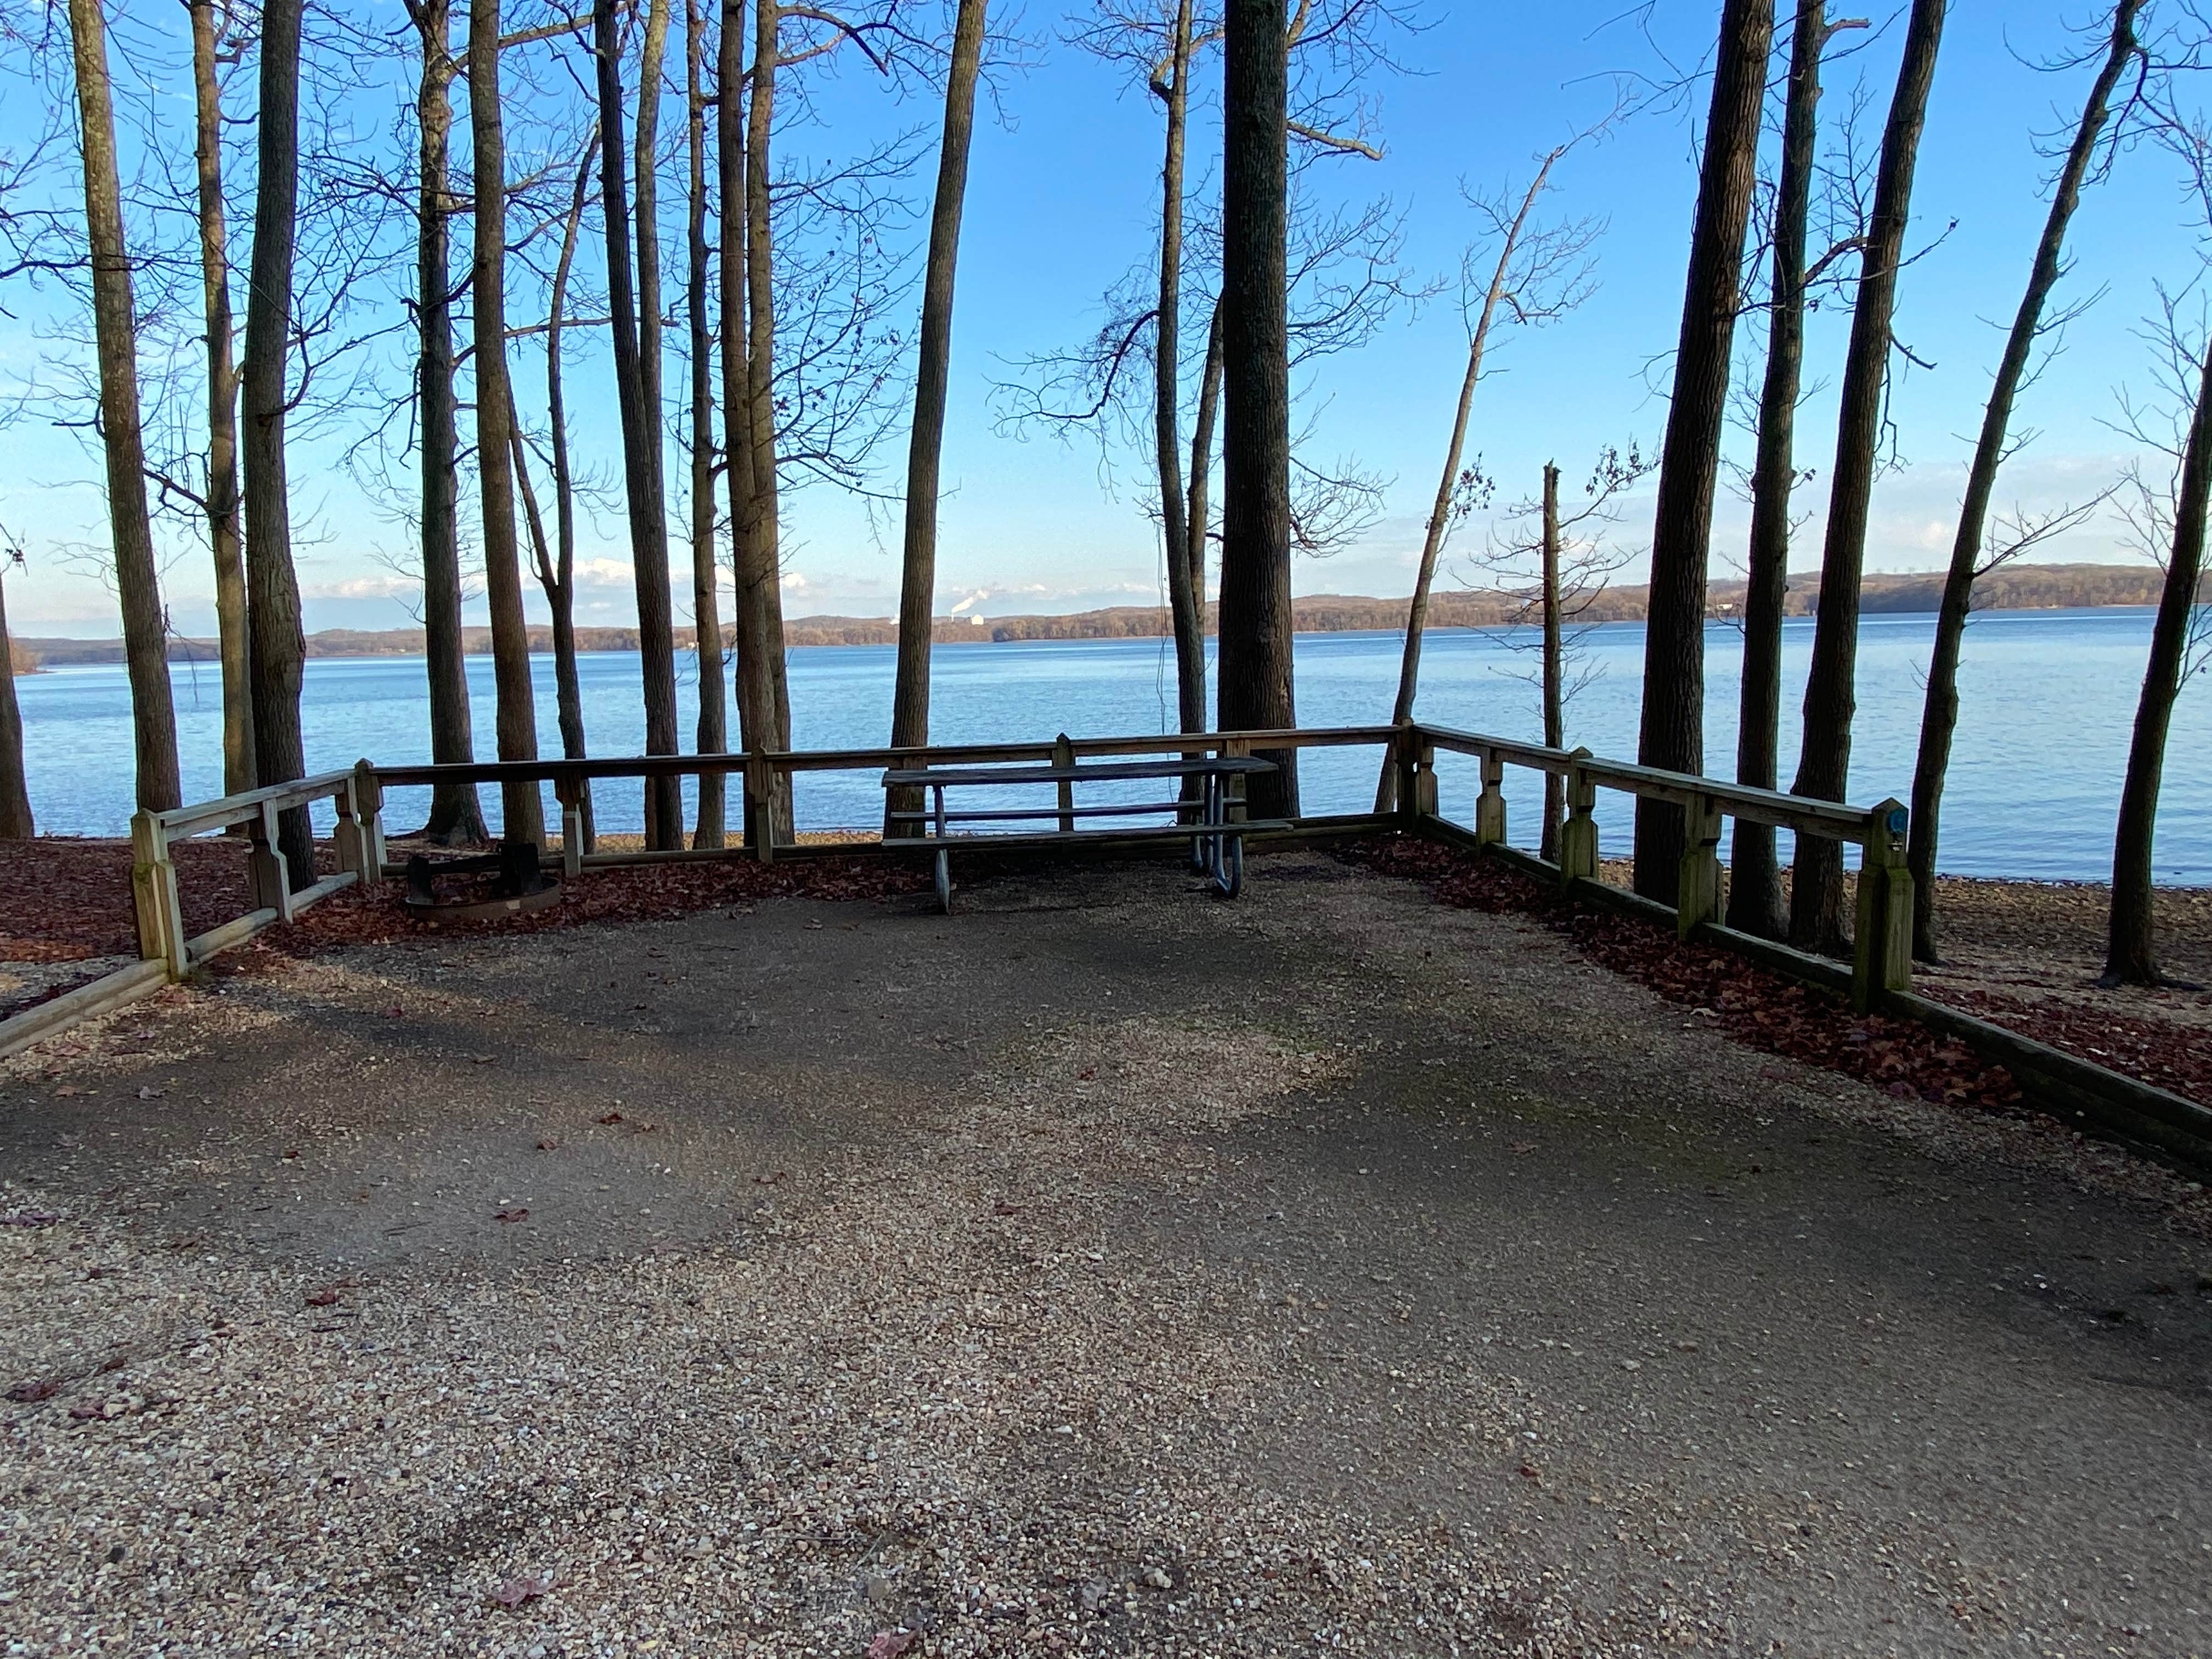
(1103, 1266)
(2025, 954)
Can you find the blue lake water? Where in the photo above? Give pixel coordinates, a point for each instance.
(2049, 698)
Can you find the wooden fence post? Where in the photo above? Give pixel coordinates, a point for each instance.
(1415, 758)
(153, 894)
(1881, 949)
(759, 809)
(1701, 881)
(1490, 805)
(568, 790)
(359, 831)
(266, 878)
(1578, 835)
(1063, 756)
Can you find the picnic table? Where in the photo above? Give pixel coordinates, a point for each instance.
(1214, 823)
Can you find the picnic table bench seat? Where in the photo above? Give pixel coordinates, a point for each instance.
(1216, 832)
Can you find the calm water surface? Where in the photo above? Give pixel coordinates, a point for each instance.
(2048, 697)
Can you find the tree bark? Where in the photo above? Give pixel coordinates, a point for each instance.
(1256, 675)
(272, 589)
(1816, 888)
(1755, 902)
(2130, 939)
(706, 621)
(1201, 515)
(115, 326)
(1433, 539)
(15, 823)
(522, 808)
(926, 448)
(456, 815)
(1167, 391)
(557, 575)
(748, 380)
(1673, 728)
(1939, 717)
(1555, 666)
(221, 407)
(636, 333)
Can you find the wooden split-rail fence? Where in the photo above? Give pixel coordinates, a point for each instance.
(1878, 977)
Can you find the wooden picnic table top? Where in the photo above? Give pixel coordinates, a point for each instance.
(1101, 772)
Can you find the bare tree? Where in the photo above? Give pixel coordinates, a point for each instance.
(776, 409)
(456, 816)
(637, 330)
(557, 566)
(706, 622)
(1673, 708)
(279, 650)
(1754, 903)
(15, 822)
(1559, 566)
(211, 48)
(1816, 888)
(1970, 552)
(1257, 691)
(2169, 519)
(918, 578)
(137, 580)
(1540, 275)
(522, 808)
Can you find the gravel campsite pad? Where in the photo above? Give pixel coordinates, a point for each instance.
(1103, 1267)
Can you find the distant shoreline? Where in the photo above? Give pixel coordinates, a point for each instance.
(2023, 588)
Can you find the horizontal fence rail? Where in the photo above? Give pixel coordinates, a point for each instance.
(1882, 961)
(1878, 977)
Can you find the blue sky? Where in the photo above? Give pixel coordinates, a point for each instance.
(1062, 200)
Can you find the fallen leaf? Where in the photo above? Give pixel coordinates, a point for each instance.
(324, 1298)
(516, 1591)
(85, 1413)
(888, 1644)
(769, 1180)
(612, 1117)
(1524, 1145)
(548, 1145)
(146, 1092)
(25, 1393)
(512, 1215)
(66, 1089)
(1005, 1209)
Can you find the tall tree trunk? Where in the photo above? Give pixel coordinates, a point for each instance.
(1816, 887)
(1673, 730)
(706, 621)
(1555, 666)
(15, 823)
(1939, 717)
(272, 588)
(557, 575)
(2130, 941)
(1433, 539)
(1199, 518)
(1167, 391)
(522, 807)
(749, 376)
(221, 407)
(1754, 903)
(456, 815)
(637, 388)
(1256, 690)
(925, 450)
(115, 325)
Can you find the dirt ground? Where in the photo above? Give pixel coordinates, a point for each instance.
(1102, 1267)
